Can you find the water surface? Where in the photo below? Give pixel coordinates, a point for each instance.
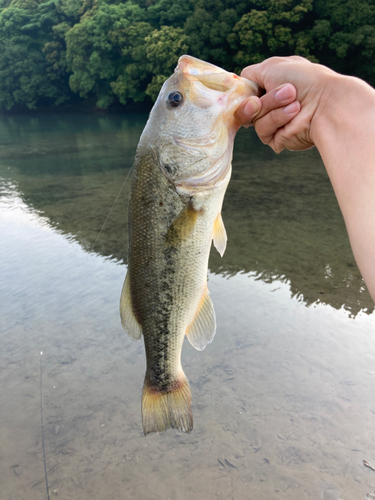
(283, 399)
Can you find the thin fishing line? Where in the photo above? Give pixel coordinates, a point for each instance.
(114, 203)
(41, 418)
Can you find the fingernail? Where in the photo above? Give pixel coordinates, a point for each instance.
(252, 107)
(292, 108)
(285, 93)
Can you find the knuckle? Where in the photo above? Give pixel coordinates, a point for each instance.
(275, 59)
(299, 59)
(275, 119)
(266, 139)
(281, 141)
(267, 126)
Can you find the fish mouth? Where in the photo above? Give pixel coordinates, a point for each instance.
(215, 78)
(194, 66)
(214, 81)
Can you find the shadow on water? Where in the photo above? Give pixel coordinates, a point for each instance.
(281, 215)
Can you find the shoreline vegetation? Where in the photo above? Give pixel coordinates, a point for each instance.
(93, 55)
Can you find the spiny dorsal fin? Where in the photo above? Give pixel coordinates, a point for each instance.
(203, 328)
(128, 319)
(220, 235)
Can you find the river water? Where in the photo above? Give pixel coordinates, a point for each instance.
(283, 399)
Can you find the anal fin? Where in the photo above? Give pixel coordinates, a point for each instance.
(220, 235)
(202, 329)
(128, 319)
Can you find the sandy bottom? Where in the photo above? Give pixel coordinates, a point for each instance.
(283, 399)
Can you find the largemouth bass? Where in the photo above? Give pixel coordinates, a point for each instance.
(181, 171)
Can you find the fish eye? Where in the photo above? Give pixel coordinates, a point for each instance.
(175, 99)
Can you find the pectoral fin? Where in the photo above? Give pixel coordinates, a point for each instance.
(183, 225)
(128, 319)
(203, 328)
(220, 235)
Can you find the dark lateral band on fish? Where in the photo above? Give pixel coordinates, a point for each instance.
(181, 172)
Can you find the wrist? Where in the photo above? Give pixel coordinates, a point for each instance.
(342, 110)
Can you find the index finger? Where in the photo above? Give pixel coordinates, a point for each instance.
(259, 73)
(254, 73)
(254, 108)
(276, 71)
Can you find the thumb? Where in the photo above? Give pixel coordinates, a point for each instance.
(248, 110)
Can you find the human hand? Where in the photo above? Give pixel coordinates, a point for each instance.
(296, 91)
(337, 114)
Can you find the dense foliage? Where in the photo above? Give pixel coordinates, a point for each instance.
(114, 51)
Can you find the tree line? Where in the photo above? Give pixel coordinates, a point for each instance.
(57, 51)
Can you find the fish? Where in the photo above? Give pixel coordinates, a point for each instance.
(181, 171)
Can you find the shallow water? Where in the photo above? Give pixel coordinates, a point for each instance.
(283, 399)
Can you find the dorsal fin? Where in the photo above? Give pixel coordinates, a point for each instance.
(203, 328)
(128, 319)
(220, 235)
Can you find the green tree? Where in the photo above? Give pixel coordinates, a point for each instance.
(344, 36)
(55, 48)
(209, 29)
(124, 49)
(165, 12)
(25, 28)
(275, 27)
(134, 75)
(163, 48)
(95, 49)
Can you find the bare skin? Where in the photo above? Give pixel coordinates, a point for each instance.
(335, 113)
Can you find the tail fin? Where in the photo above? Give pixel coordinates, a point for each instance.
(164, 409)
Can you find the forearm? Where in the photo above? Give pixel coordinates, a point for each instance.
(344, 132)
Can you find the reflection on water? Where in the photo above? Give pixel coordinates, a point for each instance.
(282, 399)
(282, 218)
